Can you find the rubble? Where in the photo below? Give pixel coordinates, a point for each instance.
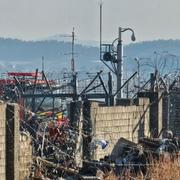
(59, 144)
(54, 149)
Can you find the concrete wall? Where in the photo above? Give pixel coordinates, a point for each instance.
(2, 141)
(112, 123)
(12, 141)
(15, 154)
(156, 111)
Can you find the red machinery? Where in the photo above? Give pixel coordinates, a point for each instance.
(24, 79)
(31, 74)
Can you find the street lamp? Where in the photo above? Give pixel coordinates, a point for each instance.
(120, 59)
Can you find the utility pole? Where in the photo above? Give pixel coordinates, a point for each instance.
(100, 28)
(72, 53)
(74, 75)
(120, 60)
(119, 64)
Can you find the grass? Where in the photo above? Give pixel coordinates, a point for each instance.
(161, 170)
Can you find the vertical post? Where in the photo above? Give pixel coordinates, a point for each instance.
(33, 102)
(12, 142)
(160, 111)
(127, 90)
(74, 84)
(72, 59)
(53, 104)
(43, 63)
(100, 28)
(111, 97)
(74, 78)
(168, 111)
(119, 65)
(138, 71)
(3, 127)
(42, 67)
(152, 77)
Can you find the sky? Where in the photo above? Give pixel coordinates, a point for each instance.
(36, 19)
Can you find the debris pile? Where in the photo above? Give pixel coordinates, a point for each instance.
(54, 143)
(138, 157)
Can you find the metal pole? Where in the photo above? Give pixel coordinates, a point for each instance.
(119, 65)
(127, 90)
(168, 111)
(152, 81)
(42, 63)
(75, 86)
(138, 74)
(72, 59)
(111, 97)
(53, 110)
(100, 28)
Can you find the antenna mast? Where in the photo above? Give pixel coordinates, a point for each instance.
(72, 59)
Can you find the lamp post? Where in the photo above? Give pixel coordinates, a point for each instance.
(120, 59)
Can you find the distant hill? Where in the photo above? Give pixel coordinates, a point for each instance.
(68, 38)
(18, 55)
(145, 49)
(26, 55)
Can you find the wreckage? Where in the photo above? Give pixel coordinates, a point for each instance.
(88, 139)
(64, 148)
(79, 131)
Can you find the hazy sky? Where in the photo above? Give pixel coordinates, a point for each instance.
(34, 19)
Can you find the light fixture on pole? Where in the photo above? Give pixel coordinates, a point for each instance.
(120, 60)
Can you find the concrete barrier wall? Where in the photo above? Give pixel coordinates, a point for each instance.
(12, 141)
(112, 123)
(2, 141)
(15, 150)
